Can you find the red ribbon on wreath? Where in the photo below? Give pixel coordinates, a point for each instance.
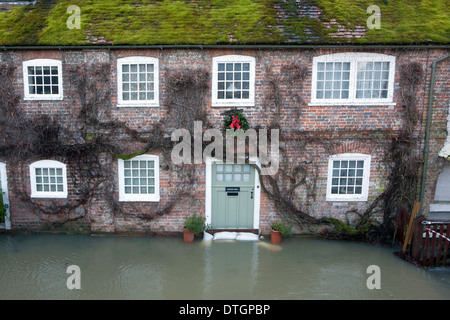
(235, 123)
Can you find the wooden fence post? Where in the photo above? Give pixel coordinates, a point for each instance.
(410, 225)
(417, 239)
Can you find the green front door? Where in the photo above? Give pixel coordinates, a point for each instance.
(232, 196)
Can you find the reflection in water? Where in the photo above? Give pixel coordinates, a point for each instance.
(34, 267)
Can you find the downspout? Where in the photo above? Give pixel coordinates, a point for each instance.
(427, 131)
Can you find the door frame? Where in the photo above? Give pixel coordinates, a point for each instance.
(208, 191)
(4, 188)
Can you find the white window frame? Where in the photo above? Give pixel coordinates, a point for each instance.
(4, 187)
(42, 63)
(353, 58)
(139, 197)
(366, 177)
(137, 103)
(250, 102)
(48, 194)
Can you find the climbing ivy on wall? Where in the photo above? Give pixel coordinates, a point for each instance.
(91, 141)
(94, 139)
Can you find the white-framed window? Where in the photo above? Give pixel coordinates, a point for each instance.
(139, 179)
(4, 196)
(353, 79)
(48, 179)
(138, 82)
(348, 177)
(42, 79)
(233, 81)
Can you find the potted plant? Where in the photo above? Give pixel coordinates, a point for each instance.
(193, 225)
(279, 230)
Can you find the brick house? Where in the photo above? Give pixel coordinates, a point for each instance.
(92, 123)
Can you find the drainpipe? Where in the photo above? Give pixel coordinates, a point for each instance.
(427, 130)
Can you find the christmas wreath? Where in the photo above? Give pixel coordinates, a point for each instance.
(236, 120)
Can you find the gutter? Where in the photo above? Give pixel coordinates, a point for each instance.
(228, 46)
(427, 130)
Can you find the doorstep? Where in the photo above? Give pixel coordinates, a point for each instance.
(255, 231)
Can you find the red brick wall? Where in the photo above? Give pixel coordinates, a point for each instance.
(98, 213)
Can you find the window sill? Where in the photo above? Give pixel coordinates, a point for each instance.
(328, 199)
(47, 196)
(232, 104)
(155, 199)
(44, 98)
(350, 104)
(147, 105)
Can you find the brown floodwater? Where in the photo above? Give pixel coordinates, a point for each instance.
(35, 267)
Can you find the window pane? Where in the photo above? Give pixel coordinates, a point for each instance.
(237, 78)
(40, 76)
(346, 178)
(344, 95)
(138, 82)
(137, 176)
(334, 82)
(370, 80)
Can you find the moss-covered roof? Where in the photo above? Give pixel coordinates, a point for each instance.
(147, 22)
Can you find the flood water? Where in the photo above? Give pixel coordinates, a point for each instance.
(35, 267)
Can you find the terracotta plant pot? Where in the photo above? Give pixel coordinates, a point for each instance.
(275, 236)
(188, 235)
